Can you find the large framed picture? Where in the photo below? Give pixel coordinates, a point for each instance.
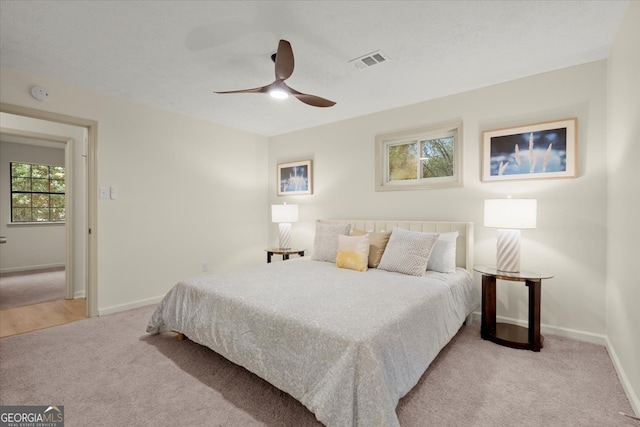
(535, 151)
(295, 178)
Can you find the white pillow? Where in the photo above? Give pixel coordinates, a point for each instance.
(353, 252)
(443, 255)
(408, 252)
(325, 242)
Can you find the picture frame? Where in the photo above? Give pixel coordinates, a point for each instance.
(545, 150)
(295, 178)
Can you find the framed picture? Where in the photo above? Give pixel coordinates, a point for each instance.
(295, 178)
(536, 151)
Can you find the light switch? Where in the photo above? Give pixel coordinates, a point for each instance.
(103, 193)
(113, 193)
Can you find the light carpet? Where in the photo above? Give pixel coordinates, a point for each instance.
(107, 371)
(31, 287)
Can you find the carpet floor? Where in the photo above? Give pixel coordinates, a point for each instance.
(107, 371)
(32, 287)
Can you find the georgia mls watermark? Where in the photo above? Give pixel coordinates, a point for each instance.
(31, 416)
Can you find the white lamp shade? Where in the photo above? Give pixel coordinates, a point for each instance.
(284, 213)
(510, 213)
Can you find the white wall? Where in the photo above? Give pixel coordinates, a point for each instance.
(28, 246)
(570, 240)
(189, 191)
(623, 202)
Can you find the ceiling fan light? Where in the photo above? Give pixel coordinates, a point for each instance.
(278, 93)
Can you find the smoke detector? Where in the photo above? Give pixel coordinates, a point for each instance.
(369, 60)
(39, 93)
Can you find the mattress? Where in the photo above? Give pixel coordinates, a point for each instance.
(346, 344)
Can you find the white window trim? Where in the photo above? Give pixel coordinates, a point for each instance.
(34, 223)
(408, 136)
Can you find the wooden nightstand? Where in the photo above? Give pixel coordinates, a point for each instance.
(284, 252)
(505, 333)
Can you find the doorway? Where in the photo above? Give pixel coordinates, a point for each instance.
(37, 257)
(87, 232)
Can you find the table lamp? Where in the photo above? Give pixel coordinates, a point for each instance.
(509, 216)
(284, 215)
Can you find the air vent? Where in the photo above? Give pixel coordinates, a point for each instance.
(369, 59)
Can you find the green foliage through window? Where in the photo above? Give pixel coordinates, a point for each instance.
(37, 193)
(437, 157)
(403, 161)
(420, 158)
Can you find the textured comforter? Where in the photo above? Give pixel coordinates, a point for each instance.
(348, 345)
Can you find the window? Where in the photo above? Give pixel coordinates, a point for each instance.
(419, 158)
(37, 193)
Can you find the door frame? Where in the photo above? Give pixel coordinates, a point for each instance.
(91, 258)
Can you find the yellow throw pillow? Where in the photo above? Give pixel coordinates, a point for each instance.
(353, 252)
(377, 242)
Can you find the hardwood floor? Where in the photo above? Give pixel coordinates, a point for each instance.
(30, 318)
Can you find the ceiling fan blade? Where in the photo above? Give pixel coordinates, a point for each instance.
(263, 89)
(284, 64)
(313, 100)
(284, 60)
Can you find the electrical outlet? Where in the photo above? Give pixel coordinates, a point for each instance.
(205, 266)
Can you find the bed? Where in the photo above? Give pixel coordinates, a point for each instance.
(346, 343)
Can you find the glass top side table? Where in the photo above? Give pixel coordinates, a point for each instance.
(505, 333)
(285, 252)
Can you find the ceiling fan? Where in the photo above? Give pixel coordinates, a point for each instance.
(283, 59)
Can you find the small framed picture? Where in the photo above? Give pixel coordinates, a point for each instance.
(295, 178)
(536, 151)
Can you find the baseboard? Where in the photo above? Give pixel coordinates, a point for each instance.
(554, 330)
(572, 333)
(624, 380)
(129, 306)
(31, 268)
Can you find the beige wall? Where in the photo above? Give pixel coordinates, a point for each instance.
(623, 202)
(189, 191)
(570, 240)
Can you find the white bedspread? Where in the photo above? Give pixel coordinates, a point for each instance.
(348, 345)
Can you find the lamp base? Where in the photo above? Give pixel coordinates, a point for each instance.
(508, 254)
(284, 239)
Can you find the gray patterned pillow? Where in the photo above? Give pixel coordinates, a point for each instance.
(408, 252)
(325, 243)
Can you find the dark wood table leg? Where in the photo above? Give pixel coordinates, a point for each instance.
(301, 253)
(535, 339)
(269, 256)
(488, 326)
(285, 257)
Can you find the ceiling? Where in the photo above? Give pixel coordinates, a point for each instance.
(174, 54)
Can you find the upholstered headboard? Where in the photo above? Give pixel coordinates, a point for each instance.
(464, 243)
